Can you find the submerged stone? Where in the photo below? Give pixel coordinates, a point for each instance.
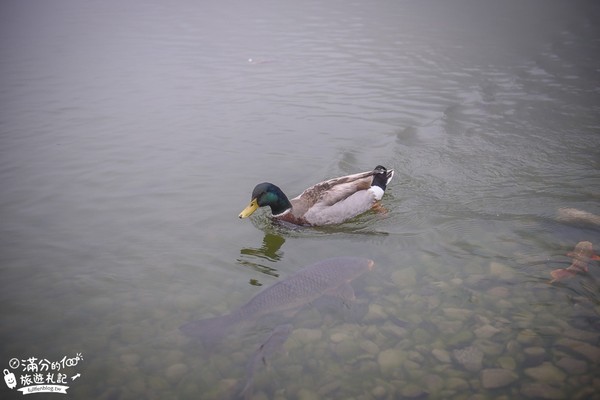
(572, 366)
(471, 358)
(493, 378)
(587, 350)
(441, 355)
(406, 277)
(390, 360)
(536, 390)
(501, 271)
(486, 331)
(175, 372)
(546, 372)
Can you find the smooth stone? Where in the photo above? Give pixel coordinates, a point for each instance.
(370, 347)
(307, 394)
(379, 392)
(572, 366)
(175, 372)
(461, 338)
(411, 391)
(304, 335)
(486, 331)
(375, 313)
(471, 358)
(499, 291)
(390, 360)
(434, 383)
(347, 349)
(328, 388)
(395, 330)
(441, 355)
(457, 384)
(406, 277)
(587, 350)
(130, 359)
(507, 362)
(457, 313)
(339, 336)
(526, 336)
(579, 334)
(546, 372)
(501, 271)
(493, 378)
(536, 390)
(534, 355)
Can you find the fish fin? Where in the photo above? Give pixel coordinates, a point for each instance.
(345, 293)
(595, 257)
(560, 274)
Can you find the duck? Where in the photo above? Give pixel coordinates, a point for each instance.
(326, 203)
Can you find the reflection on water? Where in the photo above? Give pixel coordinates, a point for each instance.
(270, 251)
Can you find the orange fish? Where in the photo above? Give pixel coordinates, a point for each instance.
(582, 255)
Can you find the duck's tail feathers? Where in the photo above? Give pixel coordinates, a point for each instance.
(382, 177)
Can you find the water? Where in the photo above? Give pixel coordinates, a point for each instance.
(132, 135)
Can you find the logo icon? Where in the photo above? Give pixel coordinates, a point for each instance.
(10, 379)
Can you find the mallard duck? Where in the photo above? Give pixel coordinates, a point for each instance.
(330, 202)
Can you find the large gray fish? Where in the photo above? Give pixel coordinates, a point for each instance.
(326, 277)
(270, 346)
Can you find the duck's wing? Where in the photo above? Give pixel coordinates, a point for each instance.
(331, 191)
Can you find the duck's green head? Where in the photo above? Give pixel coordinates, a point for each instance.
(267, 194)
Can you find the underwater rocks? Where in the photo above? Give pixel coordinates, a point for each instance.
(470, 358)
(497, 377)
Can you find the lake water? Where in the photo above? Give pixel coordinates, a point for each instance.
(132, 134)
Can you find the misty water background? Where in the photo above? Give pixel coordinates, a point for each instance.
(132, 134)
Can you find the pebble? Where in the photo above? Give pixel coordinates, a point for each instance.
(457, 313)
(339, 336)
(507, 362)
(501, 271)
(304, 335)
(375, 313)
(536, 390)
(471, 358)
(406, 277)
(307, 394)
(390, 360)
(526, 336)
(499, 291)
(546, 372)
(379, 392)
(572, 366)
(457, 384)
(441, 355)
(486, 331)
(493, 378)
(587, 350)
(412, 391)
(534, 355)
(175, 372)
(130, 359)
(370, 347)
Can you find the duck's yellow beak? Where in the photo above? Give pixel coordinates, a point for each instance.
(246, 212)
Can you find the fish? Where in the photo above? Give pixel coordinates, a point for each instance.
(582, 255)
(331, 276)
(575, 216)
(270, 346)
